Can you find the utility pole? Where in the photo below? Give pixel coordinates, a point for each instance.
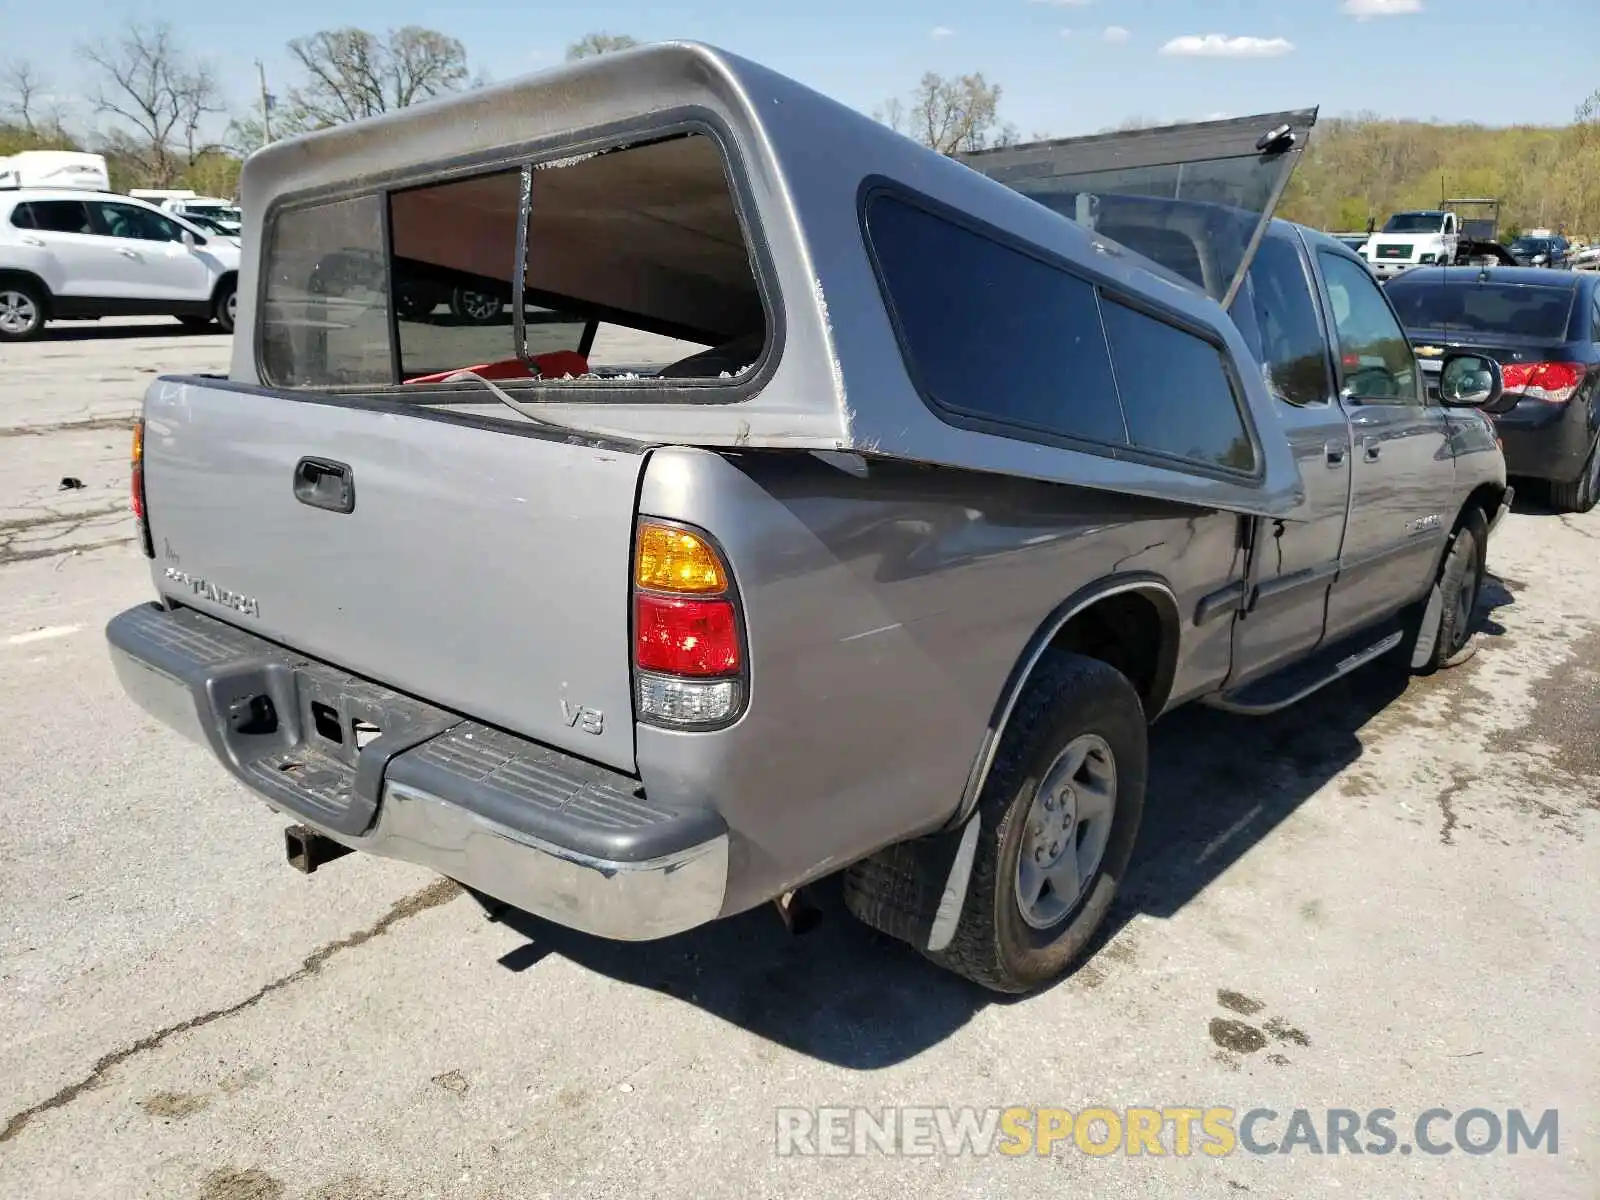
(266, 104)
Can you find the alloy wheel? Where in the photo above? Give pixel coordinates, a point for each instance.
(18, 312)
(1068, 825)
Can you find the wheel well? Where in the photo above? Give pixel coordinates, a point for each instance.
(1486, 498)
(226, 277)
(1485, 501)
(28, 277)
(1134, 631)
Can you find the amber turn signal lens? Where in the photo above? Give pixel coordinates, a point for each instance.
(675, 560)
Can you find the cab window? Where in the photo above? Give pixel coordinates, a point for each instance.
(130, 221)
(53, 216)
(1292, 348)
(1375, 357)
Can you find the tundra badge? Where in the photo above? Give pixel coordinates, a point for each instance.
(206, 590)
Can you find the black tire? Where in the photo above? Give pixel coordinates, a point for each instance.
(1460, 584)
(1069, 697)
(474, 307)
(1580, 495)
(413, 301)
(23, 311)
(198, 324)
(223, 304)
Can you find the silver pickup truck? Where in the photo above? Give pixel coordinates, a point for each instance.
(802, 502)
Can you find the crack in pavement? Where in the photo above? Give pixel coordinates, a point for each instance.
(12, 557)
(87, 425)
(441, 891)
(1459, 782)
(51, 517)
(70, 523)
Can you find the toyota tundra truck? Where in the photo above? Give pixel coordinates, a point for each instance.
(815, 504)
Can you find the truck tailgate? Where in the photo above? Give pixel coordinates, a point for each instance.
(481, 567)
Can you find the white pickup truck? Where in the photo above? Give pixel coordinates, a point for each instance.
(1424, 238)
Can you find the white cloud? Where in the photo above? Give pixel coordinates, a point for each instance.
(1066, 33)
(941, 31)
(1365, 10)
(1116, 34)
(1217, 45)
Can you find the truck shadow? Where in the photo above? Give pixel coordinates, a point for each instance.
(94, 332)
(847, 995)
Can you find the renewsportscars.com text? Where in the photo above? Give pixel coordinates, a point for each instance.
(1178, 1131)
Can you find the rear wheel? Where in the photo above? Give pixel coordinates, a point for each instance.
(226, 305)
(479, 308)
(1580, 495)
(22, 309)
(1059, 814)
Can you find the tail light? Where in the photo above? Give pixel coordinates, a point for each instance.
(688, 637)
(1553, 382)
(136, 484)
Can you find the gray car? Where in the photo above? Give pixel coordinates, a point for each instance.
(822, 505)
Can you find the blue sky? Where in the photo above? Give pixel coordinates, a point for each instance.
(1066, 66)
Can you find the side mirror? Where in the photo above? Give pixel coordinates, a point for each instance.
(1469, 381)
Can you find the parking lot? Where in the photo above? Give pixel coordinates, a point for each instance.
(1388, 897)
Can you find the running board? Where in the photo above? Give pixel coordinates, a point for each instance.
(1295, 683)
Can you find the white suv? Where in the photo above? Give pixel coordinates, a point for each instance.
(68, 254)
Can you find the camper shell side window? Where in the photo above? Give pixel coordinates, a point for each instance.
(640, 274)
(1002, 337)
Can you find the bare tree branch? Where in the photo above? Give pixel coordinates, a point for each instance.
(21, 86)
(352, 74)
(591, 45)
(145, 81)
(949, 115)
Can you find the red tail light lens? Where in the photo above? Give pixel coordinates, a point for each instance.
(1554, 382)
(695, 638)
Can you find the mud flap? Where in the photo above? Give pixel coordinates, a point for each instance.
(1428, 632)
(914, 891)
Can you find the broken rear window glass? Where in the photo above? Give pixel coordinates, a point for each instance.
(637, 269)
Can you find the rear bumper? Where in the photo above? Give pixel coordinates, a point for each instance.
(541, 830)
(1545, 441)
(1389, 268)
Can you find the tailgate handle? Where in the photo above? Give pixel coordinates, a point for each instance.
(323, 483)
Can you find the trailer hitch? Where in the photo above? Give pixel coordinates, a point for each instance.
(307, 849)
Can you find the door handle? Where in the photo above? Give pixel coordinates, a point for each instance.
(31, 241)
(1373, 448)
(323, 483)
(126, 253)
(1335, 453)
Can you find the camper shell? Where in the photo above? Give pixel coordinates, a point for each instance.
(801, 167)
